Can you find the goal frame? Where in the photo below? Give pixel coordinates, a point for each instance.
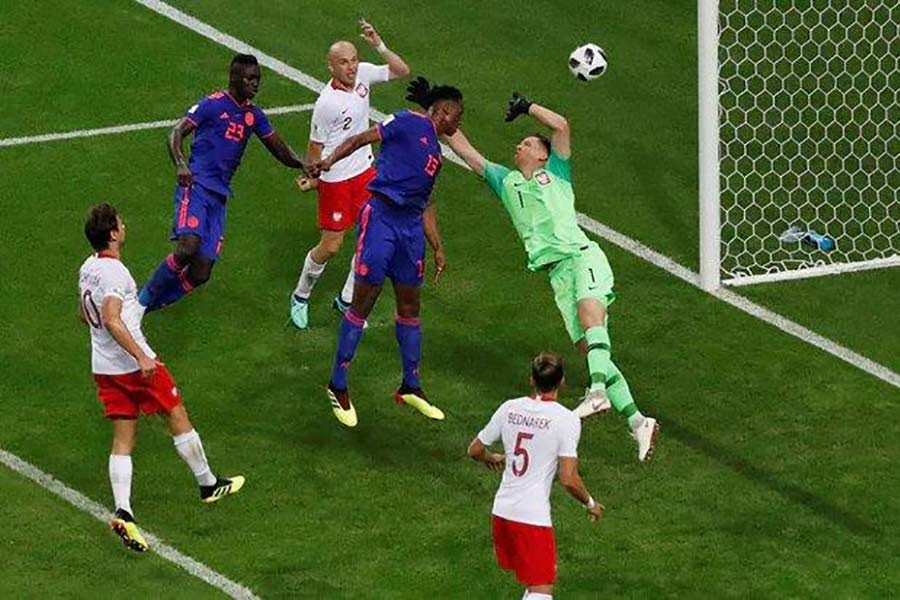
(709, 174)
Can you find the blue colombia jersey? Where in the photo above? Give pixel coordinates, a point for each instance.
(409, 160)
(223, 128)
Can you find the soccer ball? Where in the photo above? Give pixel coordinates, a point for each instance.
(587, 62)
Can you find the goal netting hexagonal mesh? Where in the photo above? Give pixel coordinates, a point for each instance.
(809, 136)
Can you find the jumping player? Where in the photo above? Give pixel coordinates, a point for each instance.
(539, 198)
(391, 239)
(222, 124)
(130, 379)
(540, 436)
(341, 111)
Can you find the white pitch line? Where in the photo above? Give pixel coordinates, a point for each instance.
(807, 335)
(626, 243)
(83, 503)
(117, 129)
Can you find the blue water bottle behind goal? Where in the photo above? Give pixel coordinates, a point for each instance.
(818, 240)
(809, 237)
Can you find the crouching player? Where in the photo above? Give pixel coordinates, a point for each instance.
(540, 436)
(129, 378)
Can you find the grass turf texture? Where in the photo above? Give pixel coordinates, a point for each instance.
(774, 472)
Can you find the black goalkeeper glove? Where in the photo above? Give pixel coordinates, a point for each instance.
(518, 105)
(419, 92)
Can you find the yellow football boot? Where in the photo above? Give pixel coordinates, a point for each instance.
(342, 406)
(124, 526)
(221, 488)
(416, 398)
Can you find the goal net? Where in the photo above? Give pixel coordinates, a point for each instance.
(808, 137)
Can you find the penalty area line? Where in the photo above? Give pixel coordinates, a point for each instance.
(118, 129)
(85, 504)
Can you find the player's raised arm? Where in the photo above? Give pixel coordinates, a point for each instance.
(345, 149)
(560, 138)
(182, 129)
(283, 152)
(112, 320)
(461, 145)
(396, 65)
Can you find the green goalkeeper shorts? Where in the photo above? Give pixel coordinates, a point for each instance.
(574, 279)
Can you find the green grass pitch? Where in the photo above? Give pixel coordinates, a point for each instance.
(776, 473)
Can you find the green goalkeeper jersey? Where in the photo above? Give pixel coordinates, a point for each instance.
(542, 210)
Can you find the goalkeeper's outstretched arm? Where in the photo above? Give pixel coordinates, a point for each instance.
(461, 145)
(560, 139)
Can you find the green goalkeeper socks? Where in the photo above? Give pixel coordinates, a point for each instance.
(605, 373)
(619, 394)
(598, 355)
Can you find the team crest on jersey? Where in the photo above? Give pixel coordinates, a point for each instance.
(362, 90)
(249, 119)
(336, 216)
(542, 178)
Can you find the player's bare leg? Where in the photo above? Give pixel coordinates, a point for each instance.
(608, 385)
(190, 448)
(313, 266)
(364, 297)
(409, 338)
(120, 473)
(538, 592)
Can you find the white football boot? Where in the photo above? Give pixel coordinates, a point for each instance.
(645, 436)
(594, 402)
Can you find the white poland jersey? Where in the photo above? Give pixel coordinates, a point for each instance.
(535, 434)
(340, 114)
(99, 277)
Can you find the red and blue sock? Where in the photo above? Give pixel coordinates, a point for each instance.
(168, 283)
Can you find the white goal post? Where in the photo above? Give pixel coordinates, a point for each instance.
(799, 138)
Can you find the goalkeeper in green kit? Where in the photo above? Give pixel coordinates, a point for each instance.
(540, 201)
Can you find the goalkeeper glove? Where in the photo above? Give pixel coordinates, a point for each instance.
(518, 105)
(419, 92)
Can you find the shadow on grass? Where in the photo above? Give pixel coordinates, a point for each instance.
(792, 492)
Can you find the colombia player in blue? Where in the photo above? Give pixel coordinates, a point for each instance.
(393, 226)
(222, 124)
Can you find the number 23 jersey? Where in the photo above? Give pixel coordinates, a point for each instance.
(223, 128)
(535, 434)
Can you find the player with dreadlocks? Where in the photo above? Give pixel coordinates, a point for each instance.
(393, 227)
